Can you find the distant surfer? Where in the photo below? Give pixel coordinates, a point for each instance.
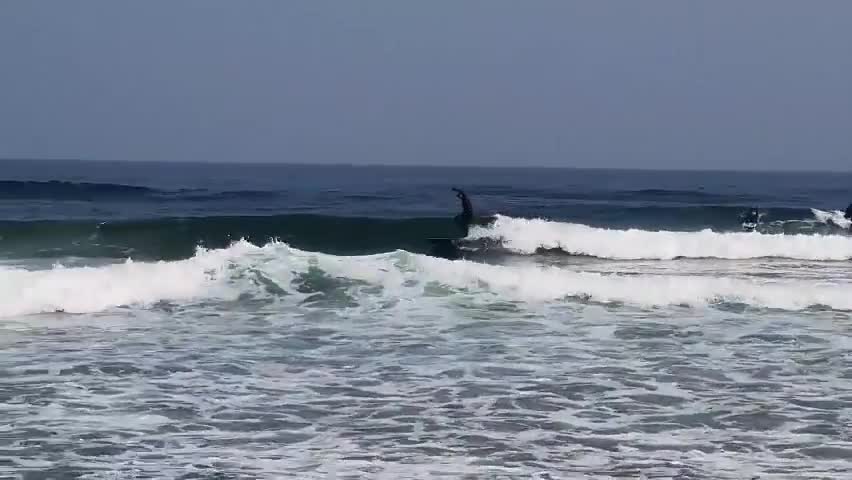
(750, 219)
(848, 214)
(448, 247)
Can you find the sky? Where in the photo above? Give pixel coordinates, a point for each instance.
(729, 84)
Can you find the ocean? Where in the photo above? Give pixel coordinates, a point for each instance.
(165, 320)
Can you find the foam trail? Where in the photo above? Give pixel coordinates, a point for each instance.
(528, 235)
(831, 217)
(533, 283)
(551, 283)
(404, 275)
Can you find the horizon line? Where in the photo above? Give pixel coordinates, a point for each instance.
(420, 165)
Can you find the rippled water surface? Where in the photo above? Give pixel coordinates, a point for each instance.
(446, 386)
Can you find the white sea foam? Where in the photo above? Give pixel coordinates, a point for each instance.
(533, 283)
(529, 235)
(835, 217)
(401, 275)
(90, 289)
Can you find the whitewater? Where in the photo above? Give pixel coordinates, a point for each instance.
(238, 270)
(530, 235)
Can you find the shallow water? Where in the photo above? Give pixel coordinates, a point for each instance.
(426, 381)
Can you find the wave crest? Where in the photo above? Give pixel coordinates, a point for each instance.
(531, 235)
(287, 274)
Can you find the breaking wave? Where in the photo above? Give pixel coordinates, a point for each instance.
(817, 237)
(531, 235)
(281, 273)
(833, 217)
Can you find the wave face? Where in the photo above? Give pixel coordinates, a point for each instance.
(175, 238)
(280, 271)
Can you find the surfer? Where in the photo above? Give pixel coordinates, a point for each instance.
(464, 219)
(848, 214)
(750, 219)
(448, 247)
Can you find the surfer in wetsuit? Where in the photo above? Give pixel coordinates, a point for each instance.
(848, 214)
(447, 247)
(464, 219)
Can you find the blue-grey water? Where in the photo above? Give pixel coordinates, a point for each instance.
(269, 321)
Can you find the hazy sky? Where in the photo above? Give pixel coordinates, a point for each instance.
(654, 84)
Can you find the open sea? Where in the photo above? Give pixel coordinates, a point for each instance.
(199, 321)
